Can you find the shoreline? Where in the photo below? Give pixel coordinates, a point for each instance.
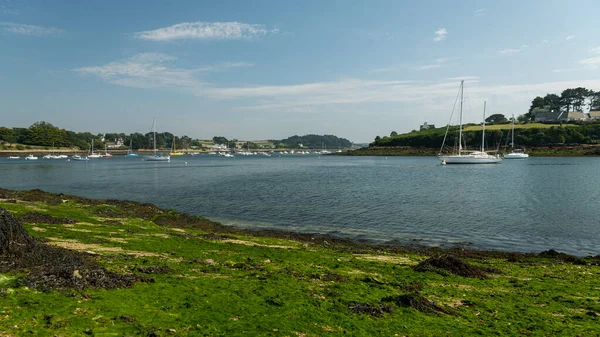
(185, 275)
(345, 242)
(546, 151)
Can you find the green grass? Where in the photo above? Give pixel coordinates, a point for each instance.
(517, 126)
(255, 286)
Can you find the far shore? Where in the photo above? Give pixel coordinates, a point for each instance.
(542, 151)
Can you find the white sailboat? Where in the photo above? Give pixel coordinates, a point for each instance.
(515, 153)
(156, 156)
(466, 156)
(92, 155)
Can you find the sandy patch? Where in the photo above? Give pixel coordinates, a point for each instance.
(76, 245)
(254, 244)
(181, 230)
(88, 224)
(385, 258)
(119, 240)
(38, 229)
(80, 230)
(459, 286)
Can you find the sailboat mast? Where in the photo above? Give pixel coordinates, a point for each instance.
(154, 136)
(460, 119)
(512, 144)
(483, 130)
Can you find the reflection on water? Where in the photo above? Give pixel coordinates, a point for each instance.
(528, 205)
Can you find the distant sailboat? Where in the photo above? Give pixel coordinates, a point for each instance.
(91, 154)
(175, 153)
(515, 153)
(465, 156)
(106, 154)
(130, 150)
(156, 156)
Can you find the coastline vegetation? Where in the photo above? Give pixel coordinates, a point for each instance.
(44, 135)
(193, 276)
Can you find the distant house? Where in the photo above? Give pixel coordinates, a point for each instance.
(577, 116)
(116, 144)
(426, 126)
(594, 114)
(551, 116)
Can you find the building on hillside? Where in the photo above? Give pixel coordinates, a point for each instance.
(116, 144)
(577, 117)
(550, 116)
(426, 126)
(594, 114)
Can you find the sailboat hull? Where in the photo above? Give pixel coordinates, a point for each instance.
(470, 159)
(516, 156)
(156, 158)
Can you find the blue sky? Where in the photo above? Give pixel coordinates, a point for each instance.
(272, 69)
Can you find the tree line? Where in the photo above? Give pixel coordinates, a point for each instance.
(570, 100)
(47, 135)
(588, 133)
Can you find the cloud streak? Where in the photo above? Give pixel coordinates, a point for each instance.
(152, 71)
(440, 35)
(511, 51)
(156, 71)
(29, 30)
(206, 31)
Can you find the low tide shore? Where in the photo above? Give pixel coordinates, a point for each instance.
(136, 269)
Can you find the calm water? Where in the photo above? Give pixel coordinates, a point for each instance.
(528, 205)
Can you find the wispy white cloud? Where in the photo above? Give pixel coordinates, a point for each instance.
(595, 50)
(206, 31)
(151, 70)
(383, 70)
(463, 78)
(594, 61)
(511, 51)
(157, 71)
(479, 12)
(31, 30)
(8, 9)
(438, 63)
(440, 34)
(570, 37)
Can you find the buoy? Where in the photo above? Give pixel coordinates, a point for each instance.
(443, 162)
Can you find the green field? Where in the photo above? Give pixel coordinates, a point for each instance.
(509, 126)
(209, 280)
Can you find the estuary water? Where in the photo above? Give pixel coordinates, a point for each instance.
(520, 205)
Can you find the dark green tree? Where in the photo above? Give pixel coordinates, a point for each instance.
(496, 119)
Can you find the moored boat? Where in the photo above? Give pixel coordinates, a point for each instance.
(156, 156)
(467, 156)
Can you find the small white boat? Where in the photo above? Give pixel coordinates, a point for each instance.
(227, 155)
(48, 156)
(31, 157)
(515, 153)
(80, 158)
(13, 157)
(156, 156)
(91, 154)
(61, 156)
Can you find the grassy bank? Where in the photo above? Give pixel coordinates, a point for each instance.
(549, 151)
(203, 279)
